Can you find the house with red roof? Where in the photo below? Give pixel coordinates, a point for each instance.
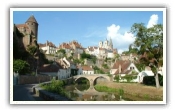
(85, 69)
(48, 47)
(123, 68)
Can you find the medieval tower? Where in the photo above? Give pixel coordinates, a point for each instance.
(33, 25)
(29, 31)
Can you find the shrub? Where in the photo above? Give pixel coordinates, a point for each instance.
(56, 86)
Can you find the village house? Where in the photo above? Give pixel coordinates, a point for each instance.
(76, 46)
(68, 65)
(48, 47)
(85, 70)
(66, 47)
(122, 68)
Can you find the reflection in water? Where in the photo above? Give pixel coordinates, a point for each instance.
(88, 93)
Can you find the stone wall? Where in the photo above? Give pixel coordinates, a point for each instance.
(28, 79)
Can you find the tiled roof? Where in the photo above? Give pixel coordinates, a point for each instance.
(42, 45)
(124, 66)
(77, 45)
(50, 44)
(24, 26)
(87, 68)
(65, 46)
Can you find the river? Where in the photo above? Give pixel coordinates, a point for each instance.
(88, 93)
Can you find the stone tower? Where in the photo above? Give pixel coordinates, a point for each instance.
(111, 44)
(33, 25)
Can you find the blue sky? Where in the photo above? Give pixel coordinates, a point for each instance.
(88, 27)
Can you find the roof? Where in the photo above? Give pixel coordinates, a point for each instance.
(32, 19)
(77, 45)
(49, 68)
(65, 45)
(124, 66)
(86, 68)
(48, 43)
(23, 26)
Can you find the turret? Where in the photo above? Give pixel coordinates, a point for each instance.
(33, 25)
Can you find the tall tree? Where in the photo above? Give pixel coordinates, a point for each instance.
(149, 42)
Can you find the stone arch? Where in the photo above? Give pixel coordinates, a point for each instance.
(82, 77)
(100, 77)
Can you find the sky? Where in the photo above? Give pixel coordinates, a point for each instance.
(89, 27)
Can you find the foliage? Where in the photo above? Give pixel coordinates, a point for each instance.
(56, 86)
(20, 66)
(43, 57)
(61, 51)
(31, 49)
(149, 42)
(105, 66)
(98, 70)
(117, 78)
(140, 66)
(128, 77)
(77, 61)
(85, 56)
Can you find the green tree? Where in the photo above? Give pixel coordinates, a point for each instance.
(20, 66)
(31, 49)
(149, 42)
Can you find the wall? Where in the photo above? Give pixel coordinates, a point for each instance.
(27, 79)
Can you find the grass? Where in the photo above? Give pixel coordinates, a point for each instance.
(136, 91)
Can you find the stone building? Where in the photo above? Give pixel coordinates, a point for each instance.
(29, 30)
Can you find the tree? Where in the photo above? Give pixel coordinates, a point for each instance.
(21, 66)
(149, 42)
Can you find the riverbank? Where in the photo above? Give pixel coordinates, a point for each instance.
(138, 91)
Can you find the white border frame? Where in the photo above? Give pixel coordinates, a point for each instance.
(88, 9)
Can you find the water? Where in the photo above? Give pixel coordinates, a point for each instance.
(88, 93)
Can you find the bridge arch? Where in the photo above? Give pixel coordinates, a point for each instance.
(103, 79)
(92, 77)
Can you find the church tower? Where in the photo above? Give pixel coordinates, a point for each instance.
(33, 25)
(111, 44)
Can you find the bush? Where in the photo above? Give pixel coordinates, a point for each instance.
(56, 86)
(150, 80)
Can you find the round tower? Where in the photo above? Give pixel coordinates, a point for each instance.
(33, 25)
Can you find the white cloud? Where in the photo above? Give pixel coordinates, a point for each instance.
(153, 20)
(120, 41)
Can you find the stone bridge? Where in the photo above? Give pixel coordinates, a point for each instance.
(92, 77)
